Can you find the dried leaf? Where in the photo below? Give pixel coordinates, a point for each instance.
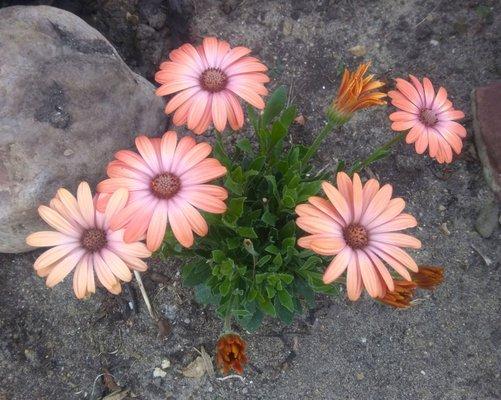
(358, 50)
(195, 369)
(118, 395)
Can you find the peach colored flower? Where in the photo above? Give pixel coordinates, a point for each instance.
(230, 353)
(430, 118)
(356, 92)
(209, 79)
(167, 182)
(358, 224)
(84, 242)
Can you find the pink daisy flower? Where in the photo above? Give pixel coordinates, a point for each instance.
(430, 118)
(84, 242)
(209, 79)
(167, 182)
(358, 225)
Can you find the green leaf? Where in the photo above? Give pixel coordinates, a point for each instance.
(233, 186)
(245, 145)
(241, 313)
(225, 287)
(257, 164)
(272, 249)
(268, 218)
(253, 322)
(285, 315)
(253, 117)
(246, 232)
(275, 105)
(278, 132)
(203, 295)
(220, 154)
(195, 273)
(236, 206)
(288, 116)
(286, 299)
(266, 306)
(278, 261)
(263, 260)
(218, 256)
(273, 185)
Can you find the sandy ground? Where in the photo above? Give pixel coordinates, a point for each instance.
(445, 347)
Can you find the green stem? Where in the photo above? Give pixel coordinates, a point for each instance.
(379, 153)
(318, 141)
(227, 322)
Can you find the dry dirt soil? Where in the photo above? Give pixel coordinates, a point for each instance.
(446, 347)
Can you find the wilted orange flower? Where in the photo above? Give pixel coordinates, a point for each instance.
(231, 353)
(428, 277)
(401, 296)
(356, 92)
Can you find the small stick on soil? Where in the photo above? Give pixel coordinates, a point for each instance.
(231, 377)
(145, 295)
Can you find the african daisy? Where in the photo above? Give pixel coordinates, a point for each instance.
(167, 182)
(209, 79)
(357, 224)
(430, 118)
(84, 242)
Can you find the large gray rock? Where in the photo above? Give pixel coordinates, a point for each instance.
(67, 103)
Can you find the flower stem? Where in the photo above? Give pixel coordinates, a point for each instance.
(381, 152)
(318, 141)
(227, 323)
(144, 294)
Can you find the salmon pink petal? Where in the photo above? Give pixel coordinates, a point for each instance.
(451, 115)
(183, 147)
(157, 227)
(400, 222)
(415, 133)
(203, 201)
(317, 225)
(210, 190)
(54, 254)
(369, 275)
(419, 88)
(197, 109)
(194, 156)
(370, 189)
(247, 94)
(429, 92)
(71, 206)
(422, 142)
(440, 98)
(234, 55)
(187, 55)
(219, 114)
(357, 198)
(148, 153)
(85, 203)
(400, 101)
(59, 223)
(80, 277)
(116, 203)
(397, 239)
(111, 185)
(327, 245)
(123, 216)
(180, 98)
(116, 265)
(338, 201)
(175, 86)
(403, 125)
(134, 160)
(211, 50)
(378, 204)
(338, 265)
(64, 267)
(205, 171)
(397, 266)
(327, 208)
(105, 276)
(401, 116)
(167, 149)
(118, 169)
(307, 210)
(139, 223)
(345, 187)
(245, 66)
(454, 141)
(234, 111)
(206, 119)
(409, 91)
(382, 270)
(49, 238)
(134, 249)
(180, 227)
(353, 279)
(197, 222)
(394, 208)
(181, 115)
(398, 254)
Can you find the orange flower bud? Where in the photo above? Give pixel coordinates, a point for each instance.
(401, 297)
(428, 277)
(230, 353)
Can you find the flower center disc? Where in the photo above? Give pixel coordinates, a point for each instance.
(356, 236)
(213, 80)
(428, 117)
(165, 185)
(93, 239)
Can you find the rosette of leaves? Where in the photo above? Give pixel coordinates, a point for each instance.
(248, 265)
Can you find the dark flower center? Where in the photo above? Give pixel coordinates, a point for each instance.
(165, 185)
(213, 80)
(428, 117)
(93, 239)
(356, 236)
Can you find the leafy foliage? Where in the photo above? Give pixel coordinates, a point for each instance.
(249, 265)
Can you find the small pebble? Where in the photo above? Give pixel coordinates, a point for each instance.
(358, 50)
(68, 152)
(434, 42)
(165, 363)
(360, 376)
(442, 207)
(159, 373)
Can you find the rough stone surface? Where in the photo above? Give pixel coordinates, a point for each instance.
(487, 124)
(487, 220)
(67, 102)
(446, 347)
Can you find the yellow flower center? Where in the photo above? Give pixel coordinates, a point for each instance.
(356, 236)
(93, 239)
(213, 80)
(165, 185)
(428, 117)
